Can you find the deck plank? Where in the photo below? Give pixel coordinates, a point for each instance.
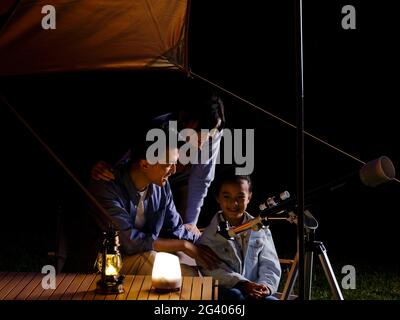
(186, 288)
(11, 282)
(215, 293)
(175, 295)
(37, 291)
(20, 286)
(197, 288)
(128, 281)
(46, 294)
(145, 289)
(83, 288)
(30, 287)
(6, 279)
(90, 294)
(207, 288)
(166, 295)
(63, 286)
(135, 288)
(75, 284)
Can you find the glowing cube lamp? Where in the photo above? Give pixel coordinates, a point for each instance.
(166, 274)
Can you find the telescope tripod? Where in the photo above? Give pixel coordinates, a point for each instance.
(312, 247)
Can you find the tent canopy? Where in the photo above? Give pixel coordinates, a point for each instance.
(95, 35)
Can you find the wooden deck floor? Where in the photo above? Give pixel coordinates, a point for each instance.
(73, 286)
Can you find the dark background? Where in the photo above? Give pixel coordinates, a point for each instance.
(351, 84)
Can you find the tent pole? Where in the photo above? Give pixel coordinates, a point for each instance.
(103, 219)
(298, 8)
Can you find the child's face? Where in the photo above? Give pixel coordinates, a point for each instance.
(233, 198)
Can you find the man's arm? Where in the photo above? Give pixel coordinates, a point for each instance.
(200, 178)
(132, 240)
(201, 254)
(173, 225)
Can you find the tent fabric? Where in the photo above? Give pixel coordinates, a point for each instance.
(95, 35)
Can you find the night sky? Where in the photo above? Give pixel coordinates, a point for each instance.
(351, 95)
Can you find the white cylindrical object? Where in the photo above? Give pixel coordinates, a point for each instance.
(166, 272)
(377, 171)
(284, 195)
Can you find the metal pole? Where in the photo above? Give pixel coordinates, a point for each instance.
(300, 141)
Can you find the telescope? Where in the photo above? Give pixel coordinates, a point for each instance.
(282, 207)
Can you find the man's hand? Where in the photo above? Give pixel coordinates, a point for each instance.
(192, 228)
(102, 171)
(254, 290)
(202, 254)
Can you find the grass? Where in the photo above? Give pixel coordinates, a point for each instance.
(372, 283)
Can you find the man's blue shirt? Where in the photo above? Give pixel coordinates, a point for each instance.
(120, 198)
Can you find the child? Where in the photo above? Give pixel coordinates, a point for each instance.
(250, 267)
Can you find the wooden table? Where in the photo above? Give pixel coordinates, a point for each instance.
(73, 286)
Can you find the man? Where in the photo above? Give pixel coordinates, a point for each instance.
(140, 202)
(190, 184)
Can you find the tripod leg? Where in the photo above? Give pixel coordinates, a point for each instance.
(330, 276)
(308, 269)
